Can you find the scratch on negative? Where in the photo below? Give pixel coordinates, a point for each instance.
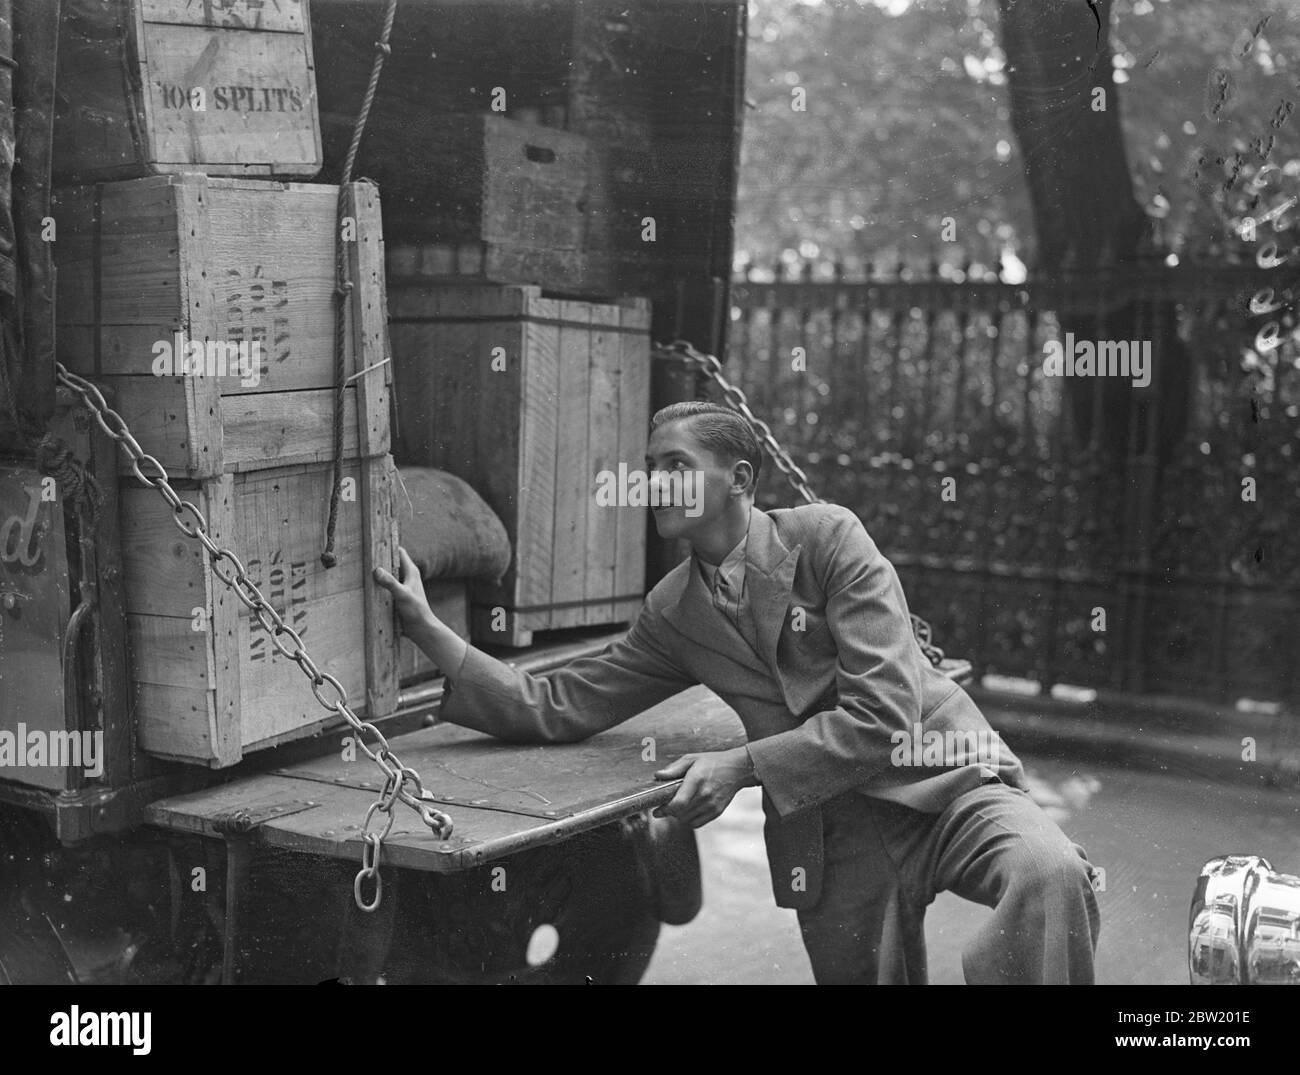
(488, 784)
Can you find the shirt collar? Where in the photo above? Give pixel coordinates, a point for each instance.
(732, 566)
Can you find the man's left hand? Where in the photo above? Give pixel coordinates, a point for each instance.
(709, 783)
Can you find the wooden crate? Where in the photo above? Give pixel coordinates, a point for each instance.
(153, 86)
(229, 261)
(571, 401)
(496, 199)
(208, 685)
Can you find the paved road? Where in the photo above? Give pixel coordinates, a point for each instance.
(1150, 831)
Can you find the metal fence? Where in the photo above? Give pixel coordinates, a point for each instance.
(1070, 530)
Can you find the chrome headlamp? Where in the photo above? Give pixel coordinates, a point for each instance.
(1244, 927)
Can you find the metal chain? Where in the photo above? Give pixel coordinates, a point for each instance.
(712, 368)
(403, 783)
(736, 398)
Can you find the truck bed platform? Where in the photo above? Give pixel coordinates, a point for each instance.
(502, 797)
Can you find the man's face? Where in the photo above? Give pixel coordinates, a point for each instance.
(700, 497)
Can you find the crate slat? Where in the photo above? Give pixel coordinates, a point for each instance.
(532, 482)
(633, 437)
(574, 479)
(604, 405)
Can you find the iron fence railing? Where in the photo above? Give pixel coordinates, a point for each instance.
(1077, 530)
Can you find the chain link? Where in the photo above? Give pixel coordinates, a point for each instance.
(738, 401)
(402, 784)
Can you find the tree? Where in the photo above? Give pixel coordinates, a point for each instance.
(901, 124)
(908, 120)
(1086, 216)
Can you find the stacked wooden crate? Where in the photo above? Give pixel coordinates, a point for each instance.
(498, 199)
(156, 86)
(518, 367)
(633, 196)
(205, 305)
(531, 400)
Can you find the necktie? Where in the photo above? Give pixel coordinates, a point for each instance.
(724, 598)
(727, 601)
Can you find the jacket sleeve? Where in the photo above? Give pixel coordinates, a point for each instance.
(584, 697)
(878, 677)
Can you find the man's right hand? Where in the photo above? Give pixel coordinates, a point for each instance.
(408, 594)
(439, 642)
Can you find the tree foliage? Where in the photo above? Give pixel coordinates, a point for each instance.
(907, 122)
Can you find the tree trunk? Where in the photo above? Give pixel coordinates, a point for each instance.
(1088, 220)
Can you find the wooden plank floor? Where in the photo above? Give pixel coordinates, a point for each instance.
(502, 797)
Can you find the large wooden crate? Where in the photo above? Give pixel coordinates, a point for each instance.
(528, 399)
(208, 685)
(496, 199)
(226, 262)
(152, 86)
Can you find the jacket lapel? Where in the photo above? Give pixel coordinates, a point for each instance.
(769, 571)
(693, 615)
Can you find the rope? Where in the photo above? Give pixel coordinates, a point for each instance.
(55, 458)
(343, 291)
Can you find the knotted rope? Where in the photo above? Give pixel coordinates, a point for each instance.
(343, 290)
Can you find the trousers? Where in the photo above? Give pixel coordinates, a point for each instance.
(885, 863)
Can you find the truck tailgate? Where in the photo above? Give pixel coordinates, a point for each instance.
(502, 797)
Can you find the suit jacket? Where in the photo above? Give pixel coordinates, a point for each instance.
(822, 703)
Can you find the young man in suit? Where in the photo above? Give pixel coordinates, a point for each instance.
(882, 782)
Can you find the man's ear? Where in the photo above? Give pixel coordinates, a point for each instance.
(742, 476)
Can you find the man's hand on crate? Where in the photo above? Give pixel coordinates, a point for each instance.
(439, 642)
